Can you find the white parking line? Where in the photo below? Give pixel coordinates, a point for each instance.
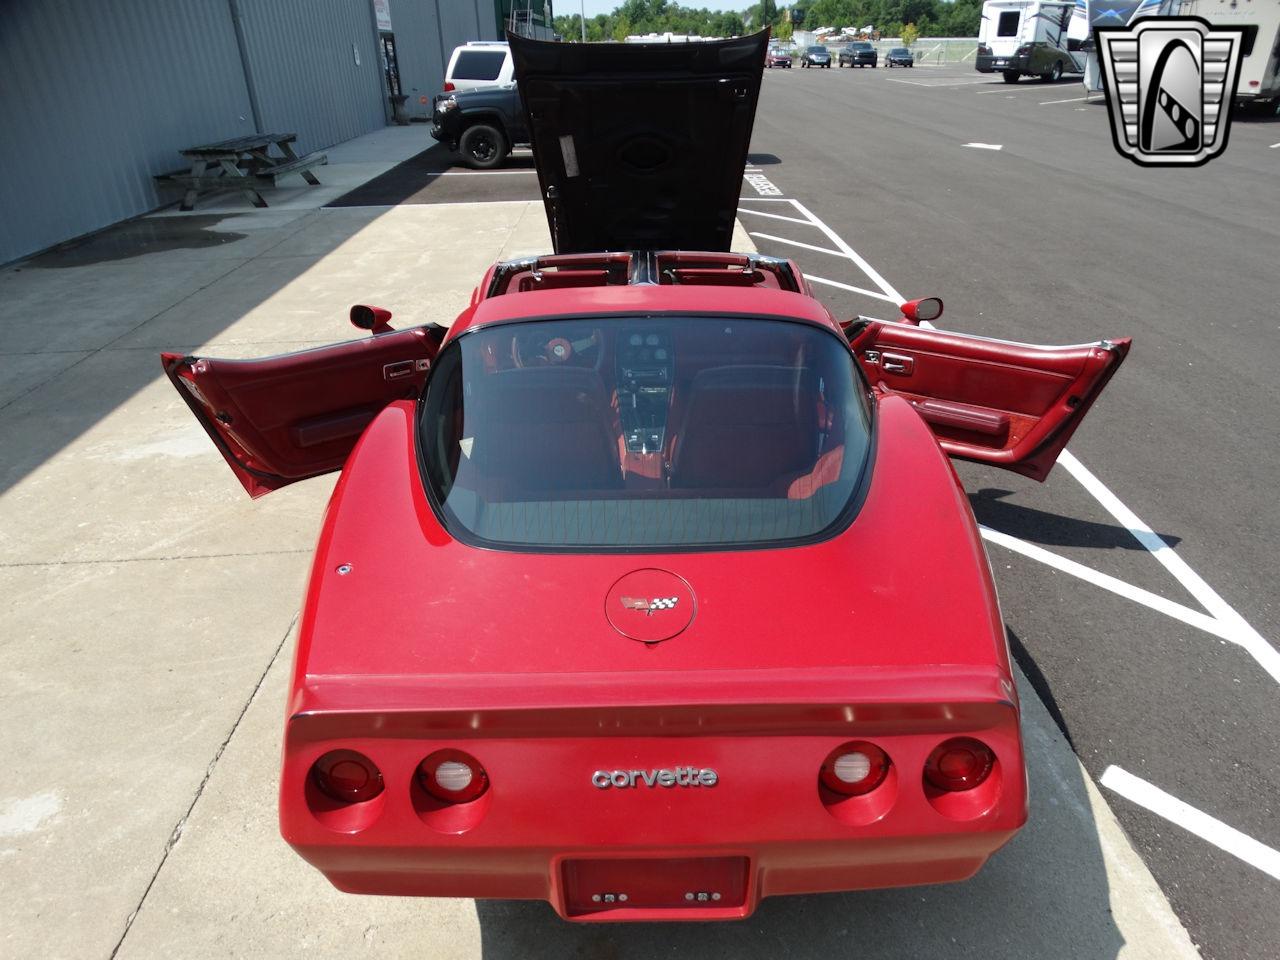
(851, 289)
(1218, 618)
(852, 254)
(478, 173)
(985, 146)
(1274, 145)
(1045, 103)
(937, 82)
(1194, 821)
(774, 216)
(1194, 618)
(1241, 633)
(795, 243)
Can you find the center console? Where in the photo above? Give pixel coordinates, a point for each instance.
(646, 371)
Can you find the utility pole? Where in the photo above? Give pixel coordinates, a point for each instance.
(583, 20)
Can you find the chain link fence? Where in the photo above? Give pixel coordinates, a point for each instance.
(935, 50)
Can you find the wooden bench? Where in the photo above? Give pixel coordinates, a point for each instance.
(301, 166)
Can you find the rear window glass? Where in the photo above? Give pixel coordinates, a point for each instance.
(1008, 25)
(663, 432)
(479, 64)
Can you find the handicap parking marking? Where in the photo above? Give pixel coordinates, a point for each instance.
(762, 184)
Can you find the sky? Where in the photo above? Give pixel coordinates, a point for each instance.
(569, 7)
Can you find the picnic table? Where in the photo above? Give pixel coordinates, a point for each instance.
(242, 163)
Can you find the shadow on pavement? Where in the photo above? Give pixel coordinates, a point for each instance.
(1051, 529)
(1045, 896)
(421, 179)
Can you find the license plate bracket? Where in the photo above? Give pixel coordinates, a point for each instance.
(709, 883)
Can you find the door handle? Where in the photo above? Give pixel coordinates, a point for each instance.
(897, 363)
(403, 368)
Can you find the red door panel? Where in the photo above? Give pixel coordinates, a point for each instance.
(298, 415)
(1011, 405)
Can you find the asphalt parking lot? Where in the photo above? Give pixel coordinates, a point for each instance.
(150, 604)
(1159, 663)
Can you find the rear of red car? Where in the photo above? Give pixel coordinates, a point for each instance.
(660, 812)
(641, 733)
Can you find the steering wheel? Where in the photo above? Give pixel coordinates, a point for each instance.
(535, 349)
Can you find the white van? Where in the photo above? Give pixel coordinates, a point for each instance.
(480, 63)
(1039, 38)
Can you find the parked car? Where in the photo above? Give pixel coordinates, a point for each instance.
(816, 56)
(860, 53)
(899, 57)
(480, 63)
(778, 57)
(482, 125)
(647, 588)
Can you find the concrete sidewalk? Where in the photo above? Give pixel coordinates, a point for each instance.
(149, 607)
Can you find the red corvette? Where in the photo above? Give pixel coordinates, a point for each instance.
(647, 588)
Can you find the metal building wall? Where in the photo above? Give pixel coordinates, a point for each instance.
(96, 97)
(316, 68)
(426, 32)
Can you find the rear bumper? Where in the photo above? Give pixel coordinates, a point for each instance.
(994, 64)
(547, 830)
(657, 882)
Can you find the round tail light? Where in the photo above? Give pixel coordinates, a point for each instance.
(959, 764)
(855, 768)
(452, 776)
(347, 776)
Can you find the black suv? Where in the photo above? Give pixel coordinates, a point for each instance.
(482, 125)
(860, 53)
(816, 56)
(899, 57)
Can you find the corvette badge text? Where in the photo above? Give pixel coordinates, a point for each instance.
(1170, 83)
(666, 777)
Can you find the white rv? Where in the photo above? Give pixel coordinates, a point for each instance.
(1259, 82)
(1038, 38)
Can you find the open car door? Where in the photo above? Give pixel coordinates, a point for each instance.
(1011, 405)
(298, 415)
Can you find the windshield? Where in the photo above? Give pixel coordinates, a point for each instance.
(817, 49)
(899, 51)
(661, 432)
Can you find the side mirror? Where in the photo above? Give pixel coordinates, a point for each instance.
(374, 319)
(927, 308)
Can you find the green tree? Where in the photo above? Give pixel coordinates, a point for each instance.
(910, 34)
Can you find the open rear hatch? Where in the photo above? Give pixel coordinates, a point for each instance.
(640, 146)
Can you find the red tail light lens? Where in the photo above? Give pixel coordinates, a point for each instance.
(452, 776)
(347, 776)
(855, 768)
(449, 87)
(959, 764)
